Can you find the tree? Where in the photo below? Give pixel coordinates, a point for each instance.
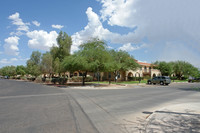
(179, 68)
(59, 53)
(33, 64)
(164, 67)
(64, 45)
(121, 61)
(92, 57)
(47, 63)
(8, 71)
(21, 70)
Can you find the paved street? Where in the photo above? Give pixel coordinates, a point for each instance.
(29, 107)
(125, 109)
(33, 108)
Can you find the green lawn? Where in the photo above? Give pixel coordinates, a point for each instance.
(130, 82)
(119, 82)
(179, 80)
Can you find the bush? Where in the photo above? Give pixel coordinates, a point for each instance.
(48, 80)
(31, 79)
(77, 78)
(38, 80)
(173, 78)
(59, 80)
(135, 78)
(147, 77)
(80, 79)
(89, 79)
(23, 78)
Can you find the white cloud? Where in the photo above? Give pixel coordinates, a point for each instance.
(57, 26)
(128, 47)
(11, 45)
(157, 20)
(154, 22)
(5, 61)
(36, 23)
(16, 20)
(18, 33)
(13, 59)
(8, 61)
(41, 39)
(95, 29)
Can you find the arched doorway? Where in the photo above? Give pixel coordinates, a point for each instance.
(130, 76)
(154, 75)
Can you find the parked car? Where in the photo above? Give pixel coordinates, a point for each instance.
(162, 80)
(191, 80)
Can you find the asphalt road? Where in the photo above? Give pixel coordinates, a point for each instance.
(33, 108)
(28, 107)
(125, 109)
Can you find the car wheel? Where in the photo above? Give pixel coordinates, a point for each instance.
(161, 83)
(149, 82)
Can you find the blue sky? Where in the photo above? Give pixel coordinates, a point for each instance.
(150, 30)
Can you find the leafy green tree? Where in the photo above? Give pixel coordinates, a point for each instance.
(57, 66)
(21, 70)
(33, 64)
(165, 68)
(92, 57)
(121, 61)
(47, 63)
(64, 45)
(182, 68)
(59, 53)
(179, 68)
(8, 71)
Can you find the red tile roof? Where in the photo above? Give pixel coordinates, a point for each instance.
(143, 63)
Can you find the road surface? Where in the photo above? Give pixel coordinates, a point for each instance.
(28, 107)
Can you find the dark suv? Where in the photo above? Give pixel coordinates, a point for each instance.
(162, 80)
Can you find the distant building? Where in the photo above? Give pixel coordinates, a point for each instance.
(146, 70)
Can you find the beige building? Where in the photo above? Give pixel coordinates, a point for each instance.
(146, 70)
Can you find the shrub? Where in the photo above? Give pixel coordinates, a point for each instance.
(48, 80)
(147, 77)
(59, 80)
(88, 79)
(135, 78)
(38, 80)
(31, 79)
(77, 79)
(23, 78)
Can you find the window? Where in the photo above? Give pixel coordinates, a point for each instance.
(145, 69)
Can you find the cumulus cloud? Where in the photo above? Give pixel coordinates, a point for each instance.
(11, 45)
(5, 61)
(57, 26)
(41, 39)
(8, 61)
(36, 23)
(128, 47)
(156, 23)
(158, 20)
(16, 20)
(93, 29)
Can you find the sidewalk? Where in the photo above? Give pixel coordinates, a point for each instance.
(184, 118)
